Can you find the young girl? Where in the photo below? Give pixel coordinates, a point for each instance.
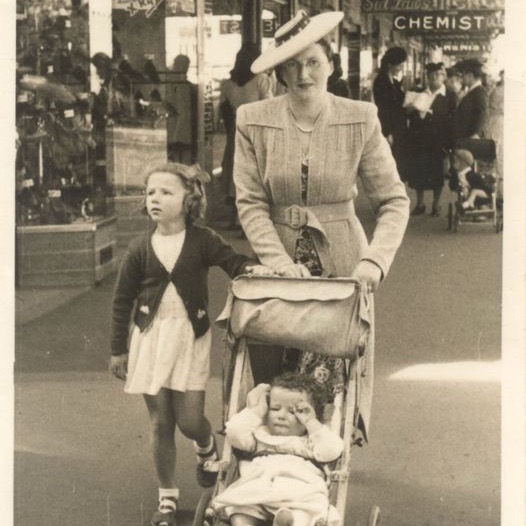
(163, 282)
(284, 480)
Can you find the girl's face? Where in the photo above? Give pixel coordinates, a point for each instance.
(165, 196)
(281, 419)
(306, 73)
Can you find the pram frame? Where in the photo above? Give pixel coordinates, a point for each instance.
(337, 477)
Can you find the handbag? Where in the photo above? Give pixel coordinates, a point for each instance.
(328, 316)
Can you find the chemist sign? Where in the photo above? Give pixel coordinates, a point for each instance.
(474, 22)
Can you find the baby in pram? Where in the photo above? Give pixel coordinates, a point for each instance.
(282, 479)
(474, 190)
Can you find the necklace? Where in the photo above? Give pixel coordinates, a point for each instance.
(301, 129)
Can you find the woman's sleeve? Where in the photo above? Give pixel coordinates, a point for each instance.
(252, 201)
(124, 295)
(240, 430)
(387, 193)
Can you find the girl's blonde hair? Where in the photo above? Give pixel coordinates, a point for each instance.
(193, 179)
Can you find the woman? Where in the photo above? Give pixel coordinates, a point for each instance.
(298, 158)
(242, 87)
(389, 97)
(430, 138)
(336, 84)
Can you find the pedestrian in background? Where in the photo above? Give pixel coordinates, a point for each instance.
(162, 281)
(472, 111)
(388, 95)
(454, 83)
(495, 124)
(429, 138)
(243, 86)
(336, 84)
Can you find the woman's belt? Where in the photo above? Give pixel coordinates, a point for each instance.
(296, 216)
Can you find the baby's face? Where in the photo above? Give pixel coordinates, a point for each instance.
(281, 419)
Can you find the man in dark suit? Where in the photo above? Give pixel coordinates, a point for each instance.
(472, 111)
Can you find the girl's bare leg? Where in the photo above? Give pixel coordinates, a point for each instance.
(189, 409)
(162, 423)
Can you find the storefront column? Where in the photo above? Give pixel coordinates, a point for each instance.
(252, 25)
(99, 35)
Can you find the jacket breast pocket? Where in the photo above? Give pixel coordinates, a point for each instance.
(348, 138)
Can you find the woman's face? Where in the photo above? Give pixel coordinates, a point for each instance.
(435, 79)
(306, 73)
(395, 69)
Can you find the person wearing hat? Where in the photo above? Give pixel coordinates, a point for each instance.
(243, 86)
(472, 111)
(429, 139)
(454, 83)
(388, 95)
(474, 190)
(297, 161)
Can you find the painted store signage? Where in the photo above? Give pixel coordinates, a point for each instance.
(389, 6)
(135, 6)
(474, 22)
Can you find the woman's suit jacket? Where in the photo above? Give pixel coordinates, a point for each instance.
(346, 144)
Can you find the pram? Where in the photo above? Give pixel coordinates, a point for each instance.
(487, 211)
(337, 320)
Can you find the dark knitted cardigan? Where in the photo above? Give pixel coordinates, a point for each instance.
(142, 281)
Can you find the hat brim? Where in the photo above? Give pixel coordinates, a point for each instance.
(316, 29)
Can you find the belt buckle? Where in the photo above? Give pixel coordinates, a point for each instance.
(296, 216)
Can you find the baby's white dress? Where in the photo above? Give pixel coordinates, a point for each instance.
(167, 354)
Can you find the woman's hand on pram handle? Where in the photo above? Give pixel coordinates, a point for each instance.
(294, 270)
(259, 270)
(368, 274)
(257, 399)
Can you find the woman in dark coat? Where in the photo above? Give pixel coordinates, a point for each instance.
(430, 138)
(389, 97)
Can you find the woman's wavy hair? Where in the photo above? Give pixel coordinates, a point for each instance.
(304, 383)
(193, 179)
(325, 45)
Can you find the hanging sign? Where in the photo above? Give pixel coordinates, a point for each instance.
(473, 22)
(137, 6)
(390, 6)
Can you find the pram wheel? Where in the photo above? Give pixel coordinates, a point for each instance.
(374, 516)
(202, 517)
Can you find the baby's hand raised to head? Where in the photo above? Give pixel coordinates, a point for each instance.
(304, 412)
(257, 399)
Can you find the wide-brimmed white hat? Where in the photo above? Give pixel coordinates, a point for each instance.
(295, 36)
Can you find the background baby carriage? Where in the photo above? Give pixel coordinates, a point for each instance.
(487, 211)
(335, 318)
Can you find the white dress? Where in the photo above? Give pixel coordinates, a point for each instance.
(167, 354)
(283, 477)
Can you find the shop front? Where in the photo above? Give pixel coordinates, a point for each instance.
(65, 228)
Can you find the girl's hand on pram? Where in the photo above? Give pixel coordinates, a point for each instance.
(259, 270)
(257, 399)
(304, 412)
(368, 274)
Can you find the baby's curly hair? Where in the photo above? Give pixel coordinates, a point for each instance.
(193, 179)
(303, 382)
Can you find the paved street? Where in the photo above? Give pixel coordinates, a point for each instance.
(82, 446)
